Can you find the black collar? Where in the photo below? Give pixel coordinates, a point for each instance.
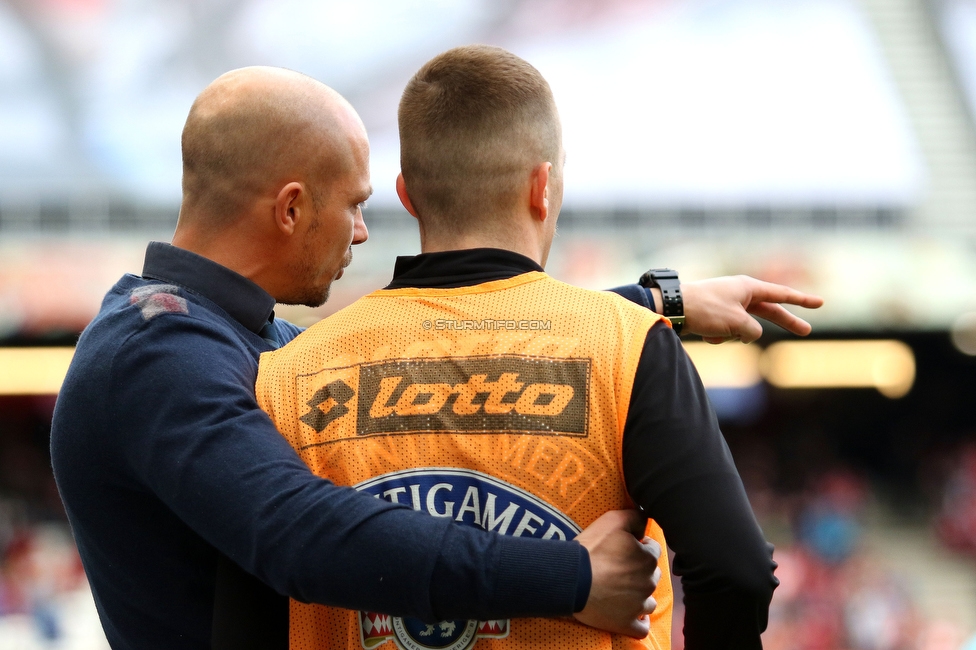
(245, 301)
(462, 268)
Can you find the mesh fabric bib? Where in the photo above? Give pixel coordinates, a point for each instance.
(500, 405)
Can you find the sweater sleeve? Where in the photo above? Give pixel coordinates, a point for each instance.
(637, 294)
(191, 433)
(679, 470)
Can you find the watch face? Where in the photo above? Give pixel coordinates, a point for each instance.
(654, 276)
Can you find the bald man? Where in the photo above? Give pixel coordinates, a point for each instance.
(166, 464)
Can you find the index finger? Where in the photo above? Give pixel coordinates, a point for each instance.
(652, 546)
(771, 292)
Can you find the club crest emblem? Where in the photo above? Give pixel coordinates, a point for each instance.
(470, 498)
(411, 634)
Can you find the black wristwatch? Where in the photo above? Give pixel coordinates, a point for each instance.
(667, 281)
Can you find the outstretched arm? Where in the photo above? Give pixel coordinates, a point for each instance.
(723, 309)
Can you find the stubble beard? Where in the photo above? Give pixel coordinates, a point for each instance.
(314, 296)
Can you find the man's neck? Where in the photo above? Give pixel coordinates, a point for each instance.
(527, 245)
(231, 248)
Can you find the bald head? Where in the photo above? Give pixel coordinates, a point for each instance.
(254, 129)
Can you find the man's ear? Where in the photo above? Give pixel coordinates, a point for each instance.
(401, 188)
(288, 207)
(539, 191)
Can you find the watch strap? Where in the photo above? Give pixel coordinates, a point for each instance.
(667, 281)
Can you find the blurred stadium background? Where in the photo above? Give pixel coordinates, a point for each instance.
(828, 144)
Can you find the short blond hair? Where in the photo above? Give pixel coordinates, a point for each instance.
(474, 121)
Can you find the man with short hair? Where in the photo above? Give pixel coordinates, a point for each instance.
(477, 389)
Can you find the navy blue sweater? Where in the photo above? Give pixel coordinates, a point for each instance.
(164, 462)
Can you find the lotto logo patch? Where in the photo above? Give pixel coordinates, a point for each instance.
(467, 394)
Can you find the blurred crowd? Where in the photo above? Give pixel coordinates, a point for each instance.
(45, 603)
(834, 595)
(44, 600)
(836, 591)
